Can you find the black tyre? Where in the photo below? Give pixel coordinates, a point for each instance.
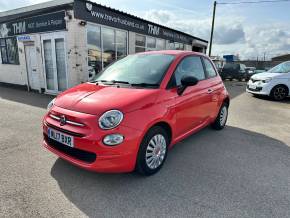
(153, 151)
(221, 120)
(279, 93)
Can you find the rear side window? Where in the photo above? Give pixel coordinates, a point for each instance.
(231, 66)
(209, 68)
(243, 67)
(189, 66)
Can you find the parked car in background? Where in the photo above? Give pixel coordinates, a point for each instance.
(219, 62)
(274, 83)
(259, 71)
(234, 71)
(250, 72)
(135, 110)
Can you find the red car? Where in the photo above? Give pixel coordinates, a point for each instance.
(130, 114)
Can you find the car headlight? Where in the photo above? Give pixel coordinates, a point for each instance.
(111, 119)
(50, 104)
(267, 80)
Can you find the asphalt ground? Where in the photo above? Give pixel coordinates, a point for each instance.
(241, 171)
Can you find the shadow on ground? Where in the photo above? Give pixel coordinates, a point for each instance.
(267, 98)
(21, 96)
(229, 173)
(41, 100)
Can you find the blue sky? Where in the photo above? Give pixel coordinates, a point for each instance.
(249, 30)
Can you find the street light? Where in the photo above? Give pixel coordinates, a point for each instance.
(212, 28)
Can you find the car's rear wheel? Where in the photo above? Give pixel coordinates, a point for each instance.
(221, 120)
(153, 151)
(279, 92)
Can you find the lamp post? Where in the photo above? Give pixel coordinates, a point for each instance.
(212, 27)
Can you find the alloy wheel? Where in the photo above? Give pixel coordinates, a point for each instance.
(223, 115)
(156, 151)
(280, 93)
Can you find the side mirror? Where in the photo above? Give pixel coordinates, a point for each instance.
(185, 82)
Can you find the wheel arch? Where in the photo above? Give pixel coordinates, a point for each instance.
(227, 100)
(281, 84)
(166, 126)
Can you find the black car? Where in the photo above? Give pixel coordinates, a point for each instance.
(234, 71)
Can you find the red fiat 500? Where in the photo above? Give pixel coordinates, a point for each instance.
(130, 114)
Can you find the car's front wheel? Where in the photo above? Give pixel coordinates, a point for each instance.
(221, 120)
(153, 151)
(279, 92)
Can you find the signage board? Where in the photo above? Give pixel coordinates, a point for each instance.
(95, 13)
(24, 38)
(42, 23)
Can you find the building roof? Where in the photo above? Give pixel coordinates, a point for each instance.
(64, 4)
(136, 17)
(284, 57)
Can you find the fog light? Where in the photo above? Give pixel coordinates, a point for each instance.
(114, 139)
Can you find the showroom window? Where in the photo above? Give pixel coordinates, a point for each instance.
(178, 46)
(140, 43)
(160, 44)
(109, 51)
(151, 44)
(105, 45)
(147, 43)
(94, 50)
(9, 50)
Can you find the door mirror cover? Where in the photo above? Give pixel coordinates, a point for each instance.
(185, 82)
(189, 81)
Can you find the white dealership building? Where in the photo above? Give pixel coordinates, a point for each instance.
(52, 46)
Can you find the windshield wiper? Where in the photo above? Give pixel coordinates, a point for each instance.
(145, 84)
(113, 81)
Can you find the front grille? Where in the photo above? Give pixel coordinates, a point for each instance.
(64, 131)
(258, 89)
(85, 156)
(58, 118)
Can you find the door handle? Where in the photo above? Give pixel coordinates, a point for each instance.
(209, 91)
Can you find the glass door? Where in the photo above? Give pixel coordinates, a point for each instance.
(54, 56)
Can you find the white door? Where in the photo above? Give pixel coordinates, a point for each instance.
(54, 60)
(31, 66)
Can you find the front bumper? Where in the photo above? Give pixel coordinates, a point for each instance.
(89, 152)
(258, 88)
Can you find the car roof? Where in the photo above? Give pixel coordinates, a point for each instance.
(174, 52)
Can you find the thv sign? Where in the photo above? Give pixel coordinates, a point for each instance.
(154, 30)
(19, 28)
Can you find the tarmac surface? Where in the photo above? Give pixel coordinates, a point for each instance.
(241, 171)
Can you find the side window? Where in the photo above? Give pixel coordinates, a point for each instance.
(242, 68)
(191, 66)
(209, 68)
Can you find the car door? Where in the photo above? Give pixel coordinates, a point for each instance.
(190, 105)
(214, 88)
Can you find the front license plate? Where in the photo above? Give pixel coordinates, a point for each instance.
(252, 86)
(61, 137)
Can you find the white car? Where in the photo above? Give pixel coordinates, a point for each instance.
(274, 83)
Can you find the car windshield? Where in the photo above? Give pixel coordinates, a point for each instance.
(146, 69)
(281, 68)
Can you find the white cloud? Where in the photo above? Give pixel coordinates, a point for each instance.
(232, 34)
(8, 5)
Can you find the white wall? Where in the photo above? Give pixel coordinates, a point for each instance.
(77, 53)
